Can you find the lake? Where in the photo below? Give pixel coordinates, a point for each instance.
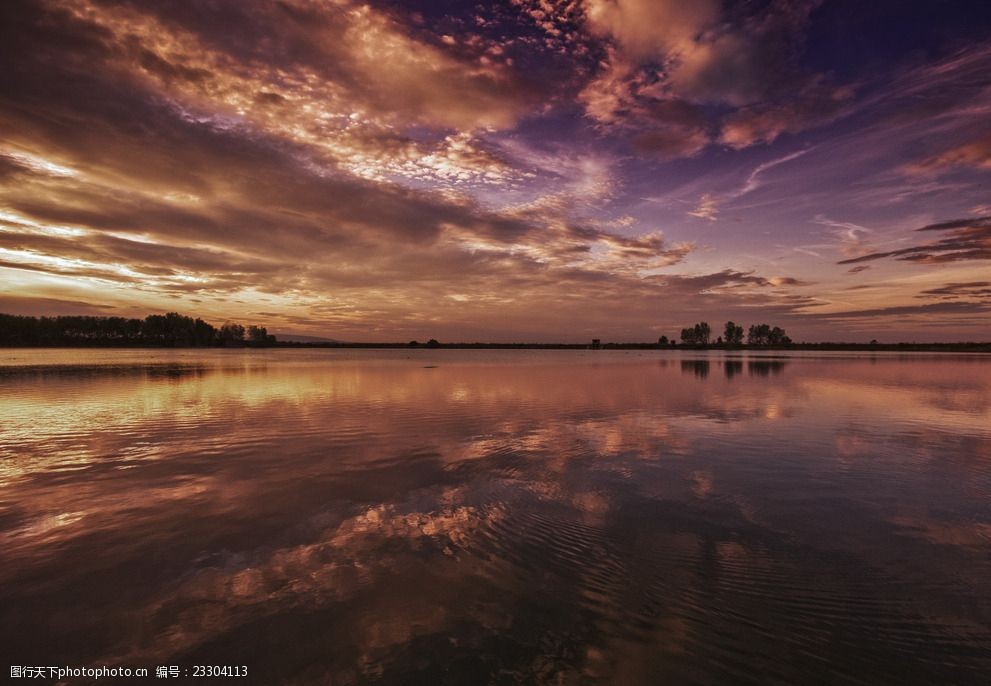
(498, 517)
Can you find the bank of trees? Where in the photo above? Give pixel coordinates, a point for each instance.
(696, 335)
(762, 334)
(164, 330)
(757, 335)
(732, 334)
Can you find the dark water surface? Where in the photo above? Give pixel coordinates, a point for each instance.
(477, 517)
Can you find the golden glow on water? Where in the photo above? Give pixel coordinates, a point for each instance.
(643, 500)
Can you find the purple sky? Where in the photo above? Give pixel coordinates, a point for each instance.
(523, 170)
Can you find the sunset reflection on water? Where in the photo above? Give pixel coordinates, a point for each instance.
(453, 516)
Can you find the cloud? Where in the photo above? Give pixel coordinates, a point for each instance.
(608, 97)
(764, 123)
(709, 203)
(731, 279)
(672, 143)
(777, 281)
(672, 128)
(940, 308)
(623, 98)
(755, 178)
(953, 291)
(166, 208)
(367, 172)
(664, 52)
(704, 53)
(975, 153)
(651, 28)
(355, 56)
(340, 78)
(707, 208)
(851, 236)
(33, 307)
(968, 239)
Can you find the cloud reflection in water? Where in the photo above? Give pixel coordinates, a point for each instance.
(348, 516)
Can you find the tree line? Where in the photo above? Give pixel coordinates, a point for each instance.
(166, 330)
(757, 335)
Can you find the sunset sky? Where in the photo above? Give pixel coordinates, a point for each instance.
(519, 170)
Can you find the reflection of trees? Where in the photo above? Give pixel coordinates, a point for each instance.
(732, 368)
(765, 367)
(700, 368)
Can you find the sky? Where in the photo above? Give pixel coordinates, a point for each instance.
(518, 170)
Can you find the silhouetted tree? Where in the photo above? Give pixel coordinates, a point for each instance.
(696, 335)
(203, 333)
(432, 343)
(231, 334)
(763, 334)
(732, 334)
(259, 336)
(758, 333)
(663, 340)
(777, 336)
(702, 332)
(171, 329)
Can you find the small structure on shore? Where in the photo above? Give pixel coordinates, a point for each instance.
(596, 343)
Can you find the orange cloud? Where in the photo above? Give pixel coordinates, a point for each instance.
(975, 153)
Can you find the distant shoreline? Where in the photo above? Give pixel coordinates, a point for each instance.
(174, 330)
(869, 347)
(839, 347)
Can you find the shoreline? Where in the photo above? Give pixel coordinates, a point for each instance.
(839, 347)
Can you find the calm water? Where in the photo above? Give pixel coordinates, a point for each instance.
(476, 517)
